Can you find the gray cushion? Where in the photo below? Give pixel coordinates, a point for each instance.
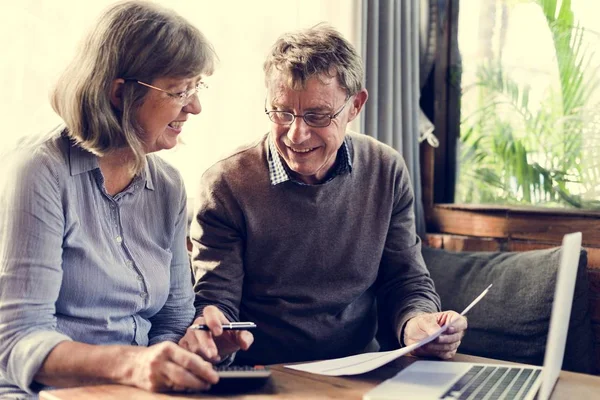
(512, 321)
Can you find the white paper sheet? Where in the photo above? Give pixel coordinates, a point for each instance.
(361, 363)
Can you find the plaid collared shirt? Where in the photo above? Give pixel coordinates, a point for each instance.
(279, 173)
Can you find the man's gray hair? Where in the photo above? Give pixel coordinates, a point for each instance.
(317, 51)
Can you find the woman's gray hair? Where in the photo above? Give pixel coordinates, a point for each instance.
(320, 50)
(131, 40)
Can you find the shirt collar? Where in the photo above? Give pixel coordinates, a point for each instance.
(146, 176)
(81, 160)
(278, 172)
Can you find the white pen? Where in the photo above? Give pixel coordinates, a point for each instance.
(227, 326)
(466, 310)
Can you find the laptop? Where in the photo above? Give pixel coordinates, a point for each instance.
(471, 381)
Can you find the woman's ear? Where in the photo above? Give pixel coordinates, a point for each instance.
(116, 93)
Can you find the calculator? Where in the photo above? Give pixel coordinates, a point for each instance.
(241, 378)
(244, 371)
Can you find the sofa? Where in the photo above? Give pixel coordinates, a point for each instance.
(512, 322)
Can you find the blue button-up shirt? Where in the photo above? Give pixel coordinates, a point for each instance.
(79, 264)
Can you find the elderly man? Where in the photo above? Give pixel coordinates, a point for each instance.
(303, 231)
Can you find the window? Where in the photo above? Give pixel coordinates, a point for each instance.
(40, 38)
(530, 104)
(505, 81)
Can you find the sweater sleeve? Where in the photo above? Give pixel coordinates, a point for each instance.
(31, 238)
(171, 322)
(405, 287)
(218, 243)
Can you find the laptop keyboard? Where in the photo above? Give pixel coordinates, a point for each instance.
(493, 383)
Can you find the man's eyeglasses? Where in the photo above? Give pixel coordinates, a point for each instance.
(184, 98)
(315, 120)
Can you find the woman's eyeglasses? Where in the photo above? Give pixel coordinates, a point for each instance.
(184, 98)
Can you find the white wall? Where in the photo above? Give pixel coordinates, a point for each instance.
(39, 37)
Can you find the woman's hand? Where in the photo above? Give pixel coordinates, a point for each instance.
(167, 367)
(214, 344)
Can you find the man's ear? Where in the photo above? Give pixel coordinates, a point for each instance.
(359, 101)
(116, 93)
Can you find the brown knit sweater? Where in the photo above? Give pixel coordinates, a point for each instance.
(306, 263)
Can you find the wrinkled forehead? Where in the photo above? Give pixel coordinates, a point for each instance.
(281, 86)
(298, 79)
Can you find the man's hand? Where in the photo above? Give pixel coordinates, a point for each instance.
(215, 344)
(423, 325)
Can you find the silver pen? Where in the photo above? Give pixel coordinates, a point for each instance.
(227, 326)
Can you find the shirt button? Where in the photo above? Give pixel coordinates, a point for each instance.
(119, 239)
(143, 295)
(128, 263)
(140, 278)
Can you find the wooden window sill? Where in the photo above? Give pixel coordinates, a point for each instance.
(520, 223)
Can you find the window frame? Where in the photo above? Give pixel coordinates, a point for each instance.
(441, 101)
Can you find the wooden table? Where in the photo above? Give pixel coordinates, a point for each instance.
(290, 384)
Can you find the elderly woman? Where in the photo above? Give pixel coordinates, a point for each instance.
(95, 284)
